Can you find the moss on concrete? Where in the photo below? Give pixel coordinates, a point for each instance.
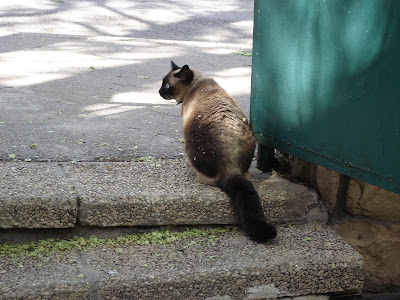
(49, 246)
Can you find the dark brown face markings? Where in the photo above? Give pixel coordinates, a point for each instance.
(185, 75)
(166, 91)
(176, 80)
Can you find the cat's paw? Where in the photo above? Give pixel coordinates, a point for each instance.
(260, 231)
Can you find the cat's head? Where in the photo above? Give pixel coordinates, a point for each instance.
(176, 82)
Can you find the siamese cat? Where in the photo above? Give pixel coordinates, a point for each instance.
(219, 144)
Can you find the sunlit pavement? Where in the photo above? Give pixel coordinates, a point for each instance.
(79, 80)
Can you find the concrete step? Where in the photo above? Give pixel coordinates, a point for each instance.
(305, 259)
(150, 193)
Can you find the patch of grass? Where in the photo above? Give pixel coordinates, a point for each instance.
(50, 246)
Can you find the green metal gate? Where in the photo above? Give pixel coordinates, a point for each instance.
(326, 84)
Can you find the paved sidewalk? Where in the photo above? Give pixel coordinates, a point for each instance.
(79, 80)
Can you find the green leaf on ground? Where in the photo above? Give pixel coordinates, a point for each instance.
(145, 158)
(242, 53)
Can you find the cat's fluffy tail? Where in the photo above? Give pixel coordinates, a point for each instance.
(247, 204)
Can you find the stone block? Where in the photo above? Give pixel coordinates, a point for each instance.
(369, 200)
(36, 195)
(305, 171)
(328, 186)
(380, 246)
(162, 192)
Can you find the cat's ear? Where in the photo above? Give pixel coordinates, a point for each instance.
(185, 74)
(174, 66)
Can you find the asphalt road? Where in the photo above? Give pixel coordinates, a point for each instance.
(79, 79)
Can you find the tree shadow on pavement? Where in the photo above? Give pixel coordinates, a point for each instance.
(92, 95)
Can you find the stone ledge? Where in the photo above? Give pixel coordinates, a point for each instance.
(303, 260)
(36, 195)
(161, 192)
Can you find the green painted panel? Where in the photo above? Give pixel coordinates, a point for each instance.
(326, 84)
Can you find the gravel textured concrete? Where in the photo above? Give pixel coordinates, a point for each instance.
(303, 260)
(36, 196)
(162, 192)
(155, 192)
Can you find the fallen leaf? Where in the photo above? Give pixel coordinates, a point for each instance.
(145, 158)
(242, 53)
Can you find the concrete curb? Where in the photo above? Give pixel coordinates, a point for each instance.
(36, 196)
(152, 193)
(303, 260)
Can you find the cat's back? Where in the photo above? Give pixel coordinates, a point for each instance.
(214, 121)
